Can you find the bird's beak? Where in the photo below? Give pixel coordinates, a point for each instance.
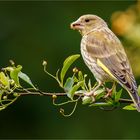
(76, 25)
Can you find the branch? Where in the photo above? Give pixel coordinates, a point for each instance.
(40, 93)
(44, 94)
(75, 85)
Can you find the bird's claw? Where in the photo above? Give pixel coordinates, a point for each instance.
(89, 94)
(109, 93)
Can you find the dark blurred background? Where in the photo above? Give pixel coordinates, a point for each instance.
(33, 31)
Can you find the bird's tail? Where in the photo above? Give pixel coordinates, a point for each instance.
(131, 86)
(135, 97)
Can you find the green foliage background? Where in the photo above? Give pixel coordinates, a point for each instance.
(33, 31)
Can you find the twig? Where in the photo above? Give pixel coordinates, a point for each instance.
(43, 94)
(121, 100)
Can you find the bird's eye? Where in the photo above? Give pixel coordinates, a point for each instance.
(87, 20)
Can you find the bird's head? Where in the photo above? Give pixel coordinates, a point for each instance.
(86, 23)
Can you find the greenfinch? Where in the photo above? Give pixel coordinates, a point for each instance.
(104, 55)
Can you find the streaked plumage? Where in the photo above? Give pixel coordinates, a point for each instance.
(103, 53)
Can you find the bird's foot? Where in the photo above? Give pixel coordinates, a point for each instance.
(109, 93)
(89, 94)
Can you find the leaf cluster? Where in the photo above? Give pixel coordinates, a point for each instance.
(10, 84)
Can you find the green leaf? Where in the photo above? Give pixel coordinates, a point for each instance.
(2, 107)
(70, 94)
(4, 79)
(118, 95)
(75, 79)
(129, 107)
(110, 101)
(80, 76)
(14, 74)
(25, 78)
(114, 91)
(69, 83)
(57, 75)
(89, 85)
(67, 63)
(87, 100)
(80, 91)
(100, 104)
(99, 93)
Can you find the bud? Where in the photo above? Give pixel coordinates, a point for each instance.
(75, 70)
(4, 97)
(54, 96)
(87, 100)
(44, 63)
(61, 110)
(12, 62)
(15, 94)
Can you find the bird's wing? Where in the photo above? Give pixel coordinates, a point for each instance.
(110, 55)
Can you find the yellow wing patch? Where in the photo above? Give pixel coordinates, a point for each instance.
(105, 68)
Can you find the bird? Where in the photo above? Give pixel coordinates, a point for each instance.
(104, 55)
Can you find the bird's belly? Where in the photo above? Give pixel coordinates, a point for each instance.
(91, 63)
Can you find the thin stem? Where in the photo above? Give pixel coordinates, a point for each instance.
(48, 72)
(68, 115)
(121, 100)
(60, 104)
(11, 101)
(54, 77)
(40, 93)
